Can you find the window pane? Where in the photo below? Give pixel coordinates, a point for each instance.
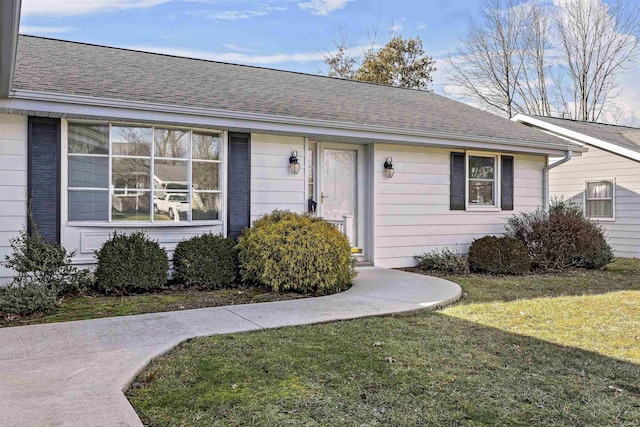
(481, 192)
(131, 173)
(206, 176)
(207, 146)
(88, 172)
(600, 208)
(600, 190)
(172, 143)
(88, 205)
(131, 141)
(167, 204)
(481, 167)
(206, 206)
(88, 139)
(130, 205)
(171, 175)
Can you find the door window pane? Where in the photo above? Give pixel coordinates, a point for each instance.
(171, 143)
(205, 206)
(205, 176)
(171, 175)
(88, 139)
(131, 141)
(206, 146)
(88, 171)
(130, 205)
(131, 173)
(88, 205)
(167, 204)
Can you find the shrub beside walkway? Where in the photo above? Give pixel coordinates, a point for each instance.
(73, 373)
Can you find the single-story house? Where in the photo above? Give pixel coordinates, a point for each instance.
(605, 180)
(98, 139)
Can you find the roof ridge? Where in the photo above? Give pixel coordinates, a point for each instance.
(583, 121)
(228, 63)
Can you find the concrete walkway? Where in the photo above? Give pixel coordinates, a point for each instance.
(73, 373)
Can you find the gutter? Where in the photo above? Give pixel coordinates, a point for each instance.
(9, 25)
(545, 177)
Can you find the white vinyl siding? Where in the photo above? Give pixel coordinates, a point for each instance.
(412, 211)
(567, 182)
(273, 186)
(13, 184)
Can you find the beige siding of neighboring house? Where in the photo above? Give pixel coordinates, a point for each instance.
(567, 182)
(412, 214)
(272, 185)
(13, 183)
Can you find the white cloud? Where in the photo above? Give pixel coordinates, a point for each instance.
(233, 57)
(235, 15)
(82, 7)
(323, 7)
(33, 29)
(236, 47)
(421, 26)
(396, 27)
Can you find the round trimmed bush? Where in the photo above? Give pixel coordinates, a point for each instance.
(287, 251)
(206, 261)
(131, 263)
(561, 237)
(499, 255)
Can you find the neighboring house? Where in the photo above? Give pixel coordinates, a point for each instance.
(605, 180)
(94, 135)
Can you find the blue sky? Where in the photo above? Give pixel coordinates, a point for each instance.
(283, 34)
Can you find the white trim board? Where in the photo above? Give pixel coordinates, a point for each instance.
(58, 105)
(577, 136)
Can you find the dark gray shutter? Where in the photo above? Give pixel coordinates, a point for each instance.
(457, 202)
(43, 184)
(239, 180)
(506, 185)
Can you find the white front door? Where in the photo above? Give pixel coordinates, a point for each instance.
(340, 198)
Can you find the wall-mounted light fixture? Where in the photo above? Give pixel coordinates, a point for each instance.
(294, 164)
(388, 168)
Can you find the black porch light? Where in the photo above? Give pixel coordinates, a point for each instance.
(388, 168)
(294, 164)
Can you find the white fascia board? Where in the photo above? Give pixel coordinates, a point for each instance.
(578, 137)
(62, 104)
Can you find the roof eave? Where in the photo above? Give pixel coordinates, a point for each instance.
(9, 26)
(68, 104)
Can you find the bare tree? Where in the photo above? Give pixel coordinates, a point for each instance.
(487, 65)
(340, 62)
(596, 41)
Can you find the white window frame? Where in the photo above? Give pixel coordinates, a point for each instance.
(151, 223)
(497, 190)
(586, 200)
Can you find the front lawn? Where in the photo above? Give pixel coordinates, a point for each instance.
(97, 306)
(532, 350)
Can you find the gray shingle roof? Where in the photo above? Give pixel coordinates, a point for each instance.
(63, 67)
(622, 136)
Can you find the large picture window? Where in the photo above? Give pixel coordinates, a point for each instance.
(600, 196)
(143, 173)
(482, 178)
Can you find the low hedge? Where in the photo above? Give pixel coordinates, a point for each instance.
(443, 260)
(131, 263)
(288, 251)
(499, 255)
(207, 261)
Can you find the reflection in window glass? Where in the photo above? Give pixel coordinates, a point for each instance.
(92, 172)
(171, 143)
(131, 173)
(167, 204)
(482, 173)
(205, 176)
(171, 175)
(89, 205)
(205, 206)
(481, 167)
(130, 205)
(88, 139)
(207, 146)
(131, 141)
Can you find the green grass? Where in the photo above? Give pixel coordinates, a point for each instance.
(533, 350)
(97, 306)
